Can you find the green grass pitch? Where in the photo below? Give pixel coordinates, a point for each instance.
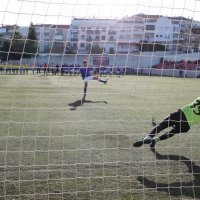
(52, 147)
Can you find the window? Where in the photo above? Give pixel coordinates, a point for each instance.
(150, 27)
(89, 38)
(90, 31)
(175, 35)
(82, 37)
(82, 45)
(111, 38)
(58, 32)
(74, 45)
(127, 37)
(112, 32)
(97, 37)
(97, 31)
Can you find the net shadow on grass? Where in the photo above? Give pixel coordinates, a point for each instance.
(179, 188)
(74, 105)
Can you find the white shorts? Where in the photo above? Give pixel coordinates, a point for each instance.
(89, 78)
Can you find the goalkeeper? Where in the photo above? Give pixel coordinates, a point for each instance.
(180, 121)
(85, 72)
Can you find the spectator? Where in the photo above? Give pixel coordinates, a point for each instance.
(45, 68)
(56, 69)
(38, 67)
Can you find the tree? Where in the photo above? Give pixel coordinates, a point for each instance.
(16, 46)
(69, 50)
(31, 43)
(12, 49)
(111, 50)
(96, 49)
(145, 46)
(4, 50)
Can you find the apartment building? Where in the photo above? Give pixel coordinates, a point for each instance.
(7, 31)
(85, 33)
(52, 38)
(109, 34)
(112, 35)
(124, 35)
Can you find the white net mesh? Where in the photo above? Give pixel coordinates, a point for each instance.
(53, 145)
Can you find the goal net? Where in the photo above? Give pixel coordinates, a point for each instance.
(56, 145)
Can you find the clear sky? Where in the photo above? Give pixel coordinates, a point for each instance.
(22, 12)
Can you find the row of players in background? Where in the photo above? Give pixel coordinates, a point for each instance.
(71, 69)
(65, 69)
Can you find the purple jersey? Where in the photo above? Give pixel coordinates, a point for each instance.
(85, 72)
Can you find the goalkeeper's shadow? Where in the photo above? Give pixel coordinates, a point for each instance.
(74, 105)
(178, 188)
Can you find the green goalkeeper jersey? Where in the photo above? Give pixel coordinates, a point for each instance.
(192, 112)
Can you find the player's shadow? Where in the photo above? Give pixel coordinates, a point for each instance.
(79, 103)
(178, 188)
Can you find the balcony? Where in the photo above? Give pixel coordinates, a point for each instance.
(74, 31)
(97, 39)
(89, 39)
(74, 39)
(97, 32)
(111, 32)
(111, 39)
(90, 32)
(58, 37)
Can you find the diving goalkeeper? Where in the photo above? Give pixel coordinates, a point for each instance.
(180, 121)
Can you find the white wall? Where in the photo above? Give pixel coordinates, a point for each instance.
(183, 56)
(137, 60)
(2, 30)
(163, 28)
(169, 72)
(141, 62)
